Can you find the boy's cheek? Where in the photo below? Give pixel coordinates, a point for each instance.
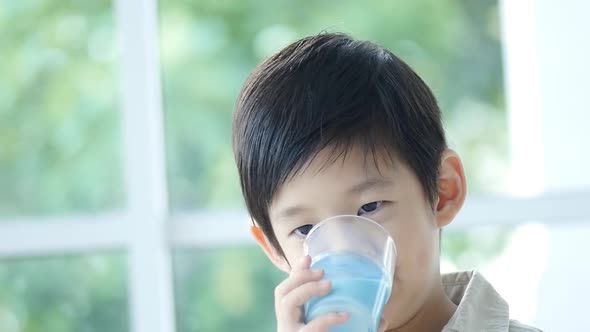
(416, 255)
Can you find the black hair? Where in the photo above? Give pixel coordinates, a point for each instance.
(330, 90)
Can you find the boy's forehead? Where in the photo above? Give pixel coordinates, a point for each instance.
(354, 159)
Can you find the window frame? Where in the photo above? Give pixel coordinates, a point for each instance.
(151, 291)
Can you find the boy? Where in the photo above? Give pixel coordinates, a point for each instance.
(330, 126)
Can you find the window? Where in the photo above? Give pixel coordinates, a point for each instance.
(115, 153)
(59, 155)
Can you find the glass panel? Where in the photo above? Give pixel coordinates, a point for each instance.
(473, 247)
(208, 47)
(60, 130)
(225, 289)
(74, 293)
(231, 288)
(530, 266)
(553, 293)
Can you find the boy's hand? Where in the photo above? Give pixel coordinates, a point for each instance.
(298, 288)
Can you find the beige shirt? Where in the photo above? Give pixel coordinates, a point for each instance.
(479, 307)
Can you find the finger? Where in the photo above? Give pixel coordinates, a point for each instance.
(323, 323)
(298, 296)
(383, 325)
(291, 306)
(295, 280)
(302, 264)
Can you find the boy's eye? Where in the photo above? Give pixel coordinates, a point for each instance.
(303, 230)
(370, 207)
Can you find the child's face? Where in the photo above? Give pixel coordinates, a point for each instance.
(390, 195)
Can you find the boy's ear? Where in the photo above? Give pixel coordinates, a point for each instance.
(452, 188)
(277, 259)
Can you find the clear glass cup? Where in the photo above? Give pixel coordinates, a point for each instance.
(358, 256)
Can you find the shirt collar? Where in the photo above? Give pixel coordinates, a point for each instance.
(479, 306)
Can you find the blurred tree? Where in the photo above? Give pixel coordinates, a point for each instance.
(209, 47)
(60, 138)
(58, 294)
(59, 142)
(225, 289)
(59, 153)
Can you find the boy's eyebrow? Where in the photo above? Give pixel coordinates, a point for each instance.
(370, 183)
(291, 211)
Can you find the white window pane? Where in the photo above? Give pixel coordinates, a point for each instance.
(563, 288)
(59, 147)
(542, 275)
(225, 289)
(71, 293)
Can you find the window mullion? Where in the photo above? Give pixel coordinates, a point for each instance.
(151, 288)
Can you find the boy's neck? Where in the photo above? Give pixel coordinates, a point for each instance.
(433, 316)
